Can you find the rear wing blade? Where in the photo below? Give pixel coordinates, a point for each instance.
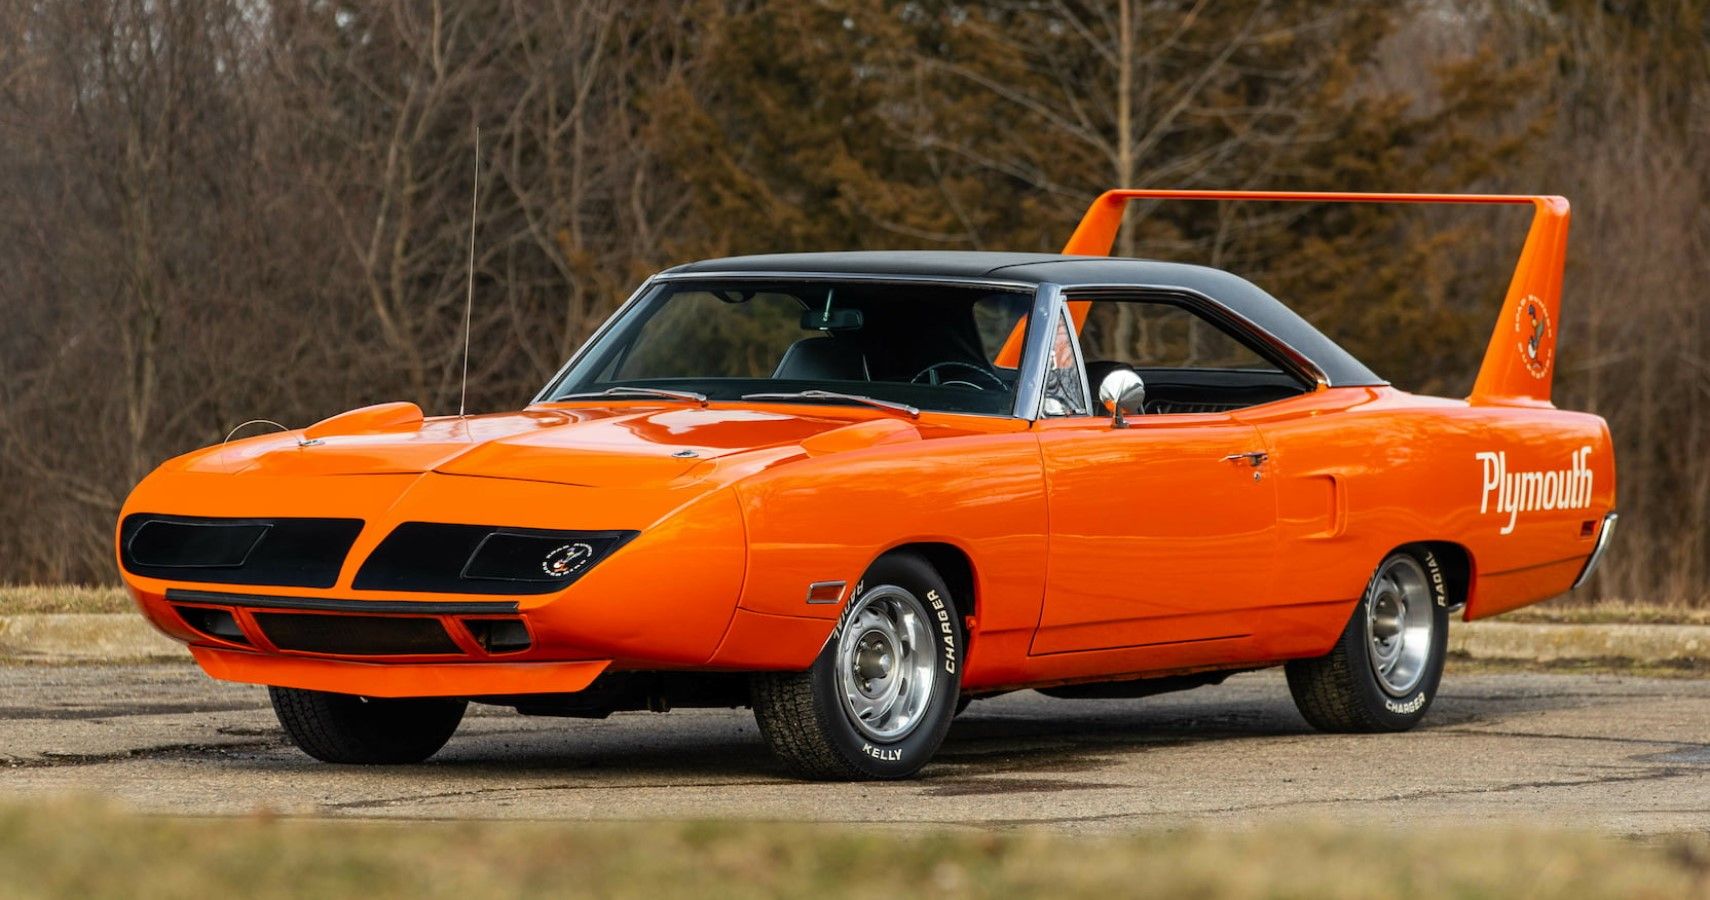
(1519, 363)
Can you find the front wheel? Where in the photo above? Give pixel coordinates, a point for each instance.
(1383, 672)
(877, 702)
(340, 728)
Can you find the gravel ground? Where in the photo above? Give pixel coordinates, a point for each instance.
(1624, 754)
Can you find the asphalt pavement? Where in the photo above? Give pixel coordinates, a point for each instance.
(1625, 754)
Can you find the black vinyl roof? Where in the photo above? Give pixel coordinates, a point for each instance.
(1239, 295)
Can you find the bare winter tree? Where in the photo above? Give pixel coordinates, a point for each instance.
(219, 210)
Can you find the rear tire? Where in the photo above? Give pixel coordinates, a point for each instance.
(341, 728)
(1384, 670)
(877, 702)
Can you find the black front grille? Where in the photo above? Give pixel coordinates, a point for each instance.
(286, 552)
(483, 559)
(356, 635)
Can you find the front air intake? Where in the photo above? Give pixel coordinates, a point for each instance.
(356, 635)
(219, 624)
(499, 635)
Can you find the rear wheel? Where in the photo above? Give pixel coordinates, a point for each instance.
(1384, 670)
(879, 699)
(340, 728)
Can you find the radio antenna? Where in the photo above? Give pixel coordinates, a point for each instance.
(469, 299)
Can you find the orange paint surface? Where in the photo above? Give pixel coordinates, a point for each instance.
(1091, 552)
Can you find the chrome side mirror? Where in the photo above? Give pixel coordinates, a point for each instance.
(1121, 392)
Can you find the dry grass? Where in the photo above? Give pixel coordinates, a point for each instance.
(63, 598)
(1611, 612)
(88, 851)
(1694, 668)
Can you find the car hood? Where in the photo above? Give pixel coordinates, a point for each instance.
(589, 446)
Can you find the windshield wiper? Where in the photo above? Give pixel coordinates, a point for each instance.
(626, 391)
(836, 395)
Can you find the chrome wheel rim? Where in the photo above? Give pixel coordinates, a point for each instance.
(1399, 625)
(885, 663)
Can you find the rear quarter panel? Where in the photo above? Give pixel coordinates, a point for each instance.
(1366, 470)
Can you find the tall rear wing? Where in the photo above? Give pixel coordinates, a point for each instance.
(1519, 363)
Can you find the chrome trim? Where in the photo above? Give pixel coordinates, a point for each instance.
(1036, 352)
(887, 663)
(1596, 556)
(1308, 369)
(582, 350)
(1399, 625)
(1080, 361)
(840, 585)
(950, 280)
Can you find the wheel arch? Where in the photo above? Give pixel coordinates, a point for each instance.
(956, 567)
(1456, 563)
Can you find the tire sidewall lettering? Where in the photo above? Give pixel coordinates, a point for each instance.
(947, 631)
(1439, 584)
(884, 759)
(1406, 707)
(1412, 706)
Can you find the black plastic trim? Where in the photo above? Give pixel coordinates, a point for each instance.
(291, 552)
(320, 604)
(435, 557)
(296, 632)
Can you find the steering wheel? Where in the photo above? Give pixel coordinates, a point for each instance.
(931, 375)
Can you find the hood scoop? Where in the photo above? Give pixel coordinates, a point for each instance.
(376, 419)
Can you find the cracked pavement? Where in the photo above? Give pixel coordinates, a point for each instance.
(1630, 755)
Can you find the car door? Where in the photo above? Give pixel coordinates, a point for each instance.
(1163, 531)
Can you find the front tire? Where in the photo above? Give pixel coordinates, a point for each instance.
(340, 728)
(1384, 670)
(879, 699)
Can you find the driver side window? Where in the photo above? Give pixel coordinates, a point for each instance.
(1157, 335)
(1188, 362)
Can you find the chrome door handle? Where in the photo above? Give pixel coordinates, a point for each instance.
(1254, 458)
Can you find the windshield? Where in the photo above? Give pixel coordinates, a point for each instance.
(933, 347)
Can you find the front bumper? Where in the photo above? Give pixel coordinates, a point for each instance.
(374, 649)
(663, 600)
(391, 679)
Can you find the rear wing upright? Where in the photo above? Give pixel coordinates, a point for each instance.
(1519, 363)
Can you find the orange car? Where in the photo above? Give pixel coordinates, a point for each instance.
(856, 490)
